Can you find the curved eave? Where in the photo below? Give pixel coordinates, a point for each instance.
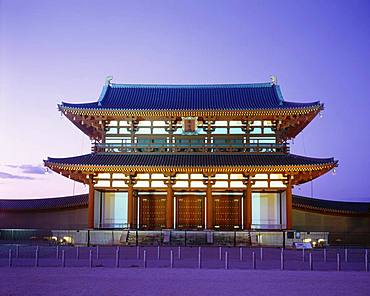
(167, 113)
(320, 169)
(44, 204)
(297, 128)
(327, 211)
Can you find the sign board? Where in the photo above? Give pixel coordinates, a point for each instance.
(301, 246)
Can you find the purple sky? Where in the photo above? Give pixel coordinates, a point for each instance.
(62, 50)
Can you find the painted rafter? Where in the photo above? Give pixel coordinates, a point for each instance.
(289, 121)
(300, 174)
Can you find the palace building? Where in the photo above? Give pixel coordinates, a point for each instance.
(210, 157)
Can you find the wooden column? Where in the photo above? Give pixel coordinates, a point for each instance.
(90, 210)
(133, 129)
(170, 128)
(288, 203)
(247, 205)
(169, 204)
(131, 212)
(130, 204)
(210, 219)
(210, 129)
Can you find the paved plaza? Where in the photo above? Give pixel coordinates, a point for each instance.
(181, 281)
(152, 270)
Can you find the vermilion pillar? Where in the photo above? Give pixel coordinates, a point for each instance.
(90, 210)
(169, 205)
(247, 206)
(130, 205)
(210, 220)
(289, 206)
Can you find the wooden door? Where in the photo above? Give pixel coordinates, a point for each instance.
(190, 212)
(153, 211)
(227, 212)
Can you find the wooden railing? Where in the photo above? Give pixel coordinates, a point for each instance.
(190, 147)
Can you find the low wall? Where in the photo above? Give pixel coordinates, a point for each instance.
(164, 237)
(70, 218)
(306, 220)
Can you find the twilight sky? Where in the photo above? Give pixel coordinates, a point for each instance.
(62, 50)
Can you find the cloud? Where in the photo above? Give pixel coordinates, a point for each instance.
(30, 169)
(11, 176)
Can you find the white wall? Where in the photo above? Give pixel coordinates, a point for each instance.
(265, 210)
(114, 210)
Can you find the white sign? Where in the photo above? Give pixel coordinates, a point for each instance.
(303, 246)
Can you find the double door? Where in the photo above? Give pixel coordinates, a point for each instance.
(190, 211)
(152, 211)
(227, 212)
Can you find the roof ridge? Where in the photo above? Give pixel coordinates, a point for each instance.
(214, 85)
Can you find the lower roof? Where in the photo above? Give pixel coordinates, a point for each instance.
(44, 203)
(299, 202)
(190, 160)
(343, 207)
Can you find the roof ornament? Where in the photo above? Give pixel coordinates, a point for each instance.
(107, 83)
(108, 80)
(273, 80)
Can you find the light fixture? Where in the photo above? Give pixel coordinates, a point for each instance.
(334, 172)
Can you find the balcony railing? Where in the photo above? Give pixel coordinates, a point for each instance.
(189, 148)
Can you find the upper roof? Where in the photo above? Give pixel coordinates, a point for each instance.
(191, 97)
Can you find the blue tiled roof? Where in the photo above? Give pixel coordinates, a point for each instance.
(341, 206)
(191, 97)
(44, 203)
(185, 160)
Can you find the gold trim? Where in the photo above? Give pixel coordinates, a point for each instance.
(190, 113)
(156, 169)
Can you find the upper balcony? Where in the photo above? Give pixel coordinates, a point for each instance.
(190, 144)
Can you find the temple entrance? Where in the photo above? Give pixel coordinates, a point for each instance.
(227, 211)
(190, 211)
(152, 211)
